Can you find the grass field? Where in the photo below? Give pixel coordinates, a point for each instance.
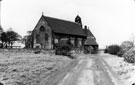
(27, 68)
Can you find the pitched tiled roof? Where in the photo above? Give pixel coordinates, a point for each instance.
(90, 41)
(90, 33)
(65, 27)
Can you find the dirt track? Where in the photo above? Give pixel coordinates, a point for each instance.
(90, 70)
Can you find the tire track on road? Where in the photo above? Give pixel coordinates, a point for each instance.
(72, 77)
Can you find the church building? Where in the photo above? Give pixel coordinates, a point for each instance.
(49, 31)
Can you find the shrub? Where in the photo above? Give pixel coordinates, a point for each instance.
(88, 49)
(125, 46)
(113, 49)
(129, 56)
(120, 53)
(106, 50)
(63, 48)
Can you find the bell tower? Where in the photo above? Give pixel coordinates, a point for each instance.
(78, 20)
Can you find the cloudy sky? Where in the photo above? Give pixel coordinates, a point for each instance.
(111, 21)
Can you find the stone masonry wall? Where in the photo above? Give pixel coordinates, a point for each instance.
(42, 35)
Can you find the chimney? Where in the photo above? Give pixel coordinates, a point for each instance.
(86, 30)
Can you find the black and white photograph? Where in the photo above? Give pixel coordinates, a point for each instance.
(67, 42)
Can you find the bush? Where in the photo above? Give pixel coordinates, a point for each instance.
(120, 53)
(88, 49)
(113, 49)
(63, 48)
(125, 46)
(106, 50)
(129, 56)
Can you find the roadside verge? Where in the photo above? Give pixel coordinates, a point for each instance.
(59, 75)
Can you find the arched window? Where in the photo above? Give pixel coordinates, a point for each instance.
(37, 38)
(46, 37)
(42, 29)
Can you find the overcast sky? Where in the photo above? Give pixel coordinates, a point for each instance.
(111, 21)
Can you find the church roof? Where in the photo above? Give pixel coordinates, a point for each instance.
(89, 34)
(90, 41)
(64, 27)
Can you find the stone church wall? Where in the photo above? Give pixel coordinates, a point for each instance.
(42, 35)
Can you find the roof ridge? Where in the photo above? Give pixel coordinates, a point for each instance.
(59, 19)
(64, 26)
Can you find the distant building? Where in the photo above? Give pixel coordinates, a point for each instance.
(50, 31)
(18, 44)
